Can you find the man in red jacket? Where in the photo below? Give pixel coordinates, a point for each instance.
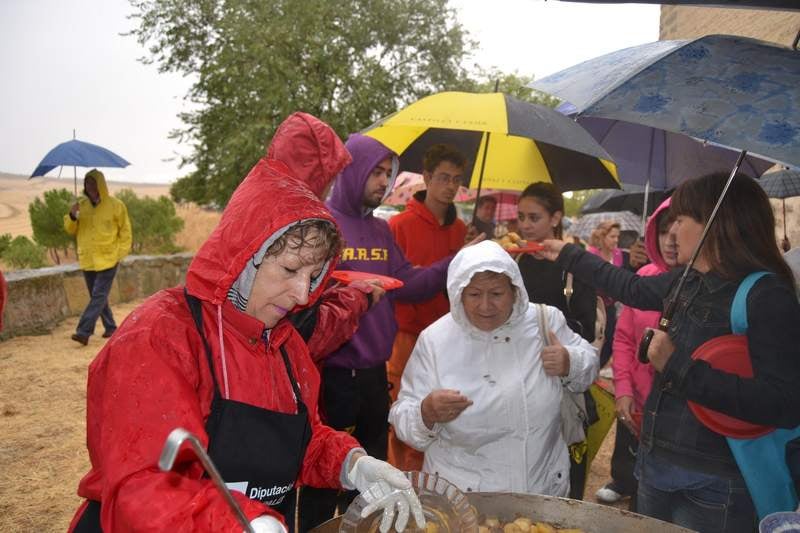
(428, 230)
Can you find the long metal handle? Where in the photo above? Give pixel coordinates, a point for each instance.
(167, 460)
(669, 309)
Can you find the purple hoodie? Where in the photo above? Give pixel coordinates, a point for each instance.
(370, 247)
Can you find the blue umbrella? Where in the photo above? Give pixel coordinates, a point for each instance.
(77, 153)
(727, 90)
(660, 158)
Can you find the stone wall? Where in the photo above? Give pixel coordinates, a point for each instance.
(686, 22)
(41, 298)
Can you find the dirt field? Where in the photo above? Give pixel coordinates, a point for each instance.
(42, 423)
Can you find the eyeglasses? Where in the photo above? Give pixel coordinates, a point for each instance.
(447, 179)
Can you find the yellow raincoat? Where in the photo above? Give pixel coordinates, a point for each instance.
(103, 230)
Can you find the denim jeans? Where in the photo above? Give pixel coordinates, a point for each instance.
(722, 507)
(99, 285)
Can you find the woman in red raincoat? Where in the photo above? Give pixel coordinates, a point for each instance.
(218, 359)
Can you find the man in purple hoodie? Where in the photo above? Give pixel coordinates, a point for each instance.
(354, 393)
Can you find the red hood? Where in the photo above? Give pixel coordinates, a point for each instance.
(311, 149)
(267, 200)
(651, 238)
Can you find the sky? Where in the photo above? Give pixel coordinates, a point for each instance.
(64, 65)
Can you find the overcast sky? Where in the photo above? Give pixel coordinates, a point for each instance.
(64, 65)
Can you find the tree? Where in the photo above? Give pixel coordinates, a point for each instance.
(509, 83)
(47, 221)
(154, 222)
(348, 62)
(5, 241)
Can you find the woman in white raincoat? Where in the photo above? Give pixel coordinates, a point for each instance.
(482, 390)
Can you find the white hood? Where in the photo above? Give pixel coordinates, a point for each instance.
(482, 257)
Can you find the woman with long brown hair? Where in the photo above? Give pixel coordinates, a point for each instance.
(687, 472)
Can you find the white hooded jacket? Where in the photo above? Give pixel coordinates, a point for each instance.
(509, 440)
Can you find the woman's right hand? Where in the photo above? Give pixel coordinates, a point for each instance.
(624, 409)
(443, 405)
(552, 247)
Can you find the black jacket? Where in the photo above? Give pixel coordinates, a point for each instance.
(545, 282)
(771, 397)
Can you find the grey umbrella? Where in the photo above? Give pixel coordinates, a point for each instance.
(782, 184)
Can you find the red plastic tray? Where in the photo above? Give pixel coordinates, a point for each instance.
(728, 353)
(349, 276)
(531, 247)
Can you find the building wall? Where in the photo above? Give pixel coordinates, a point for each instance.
(685, 22)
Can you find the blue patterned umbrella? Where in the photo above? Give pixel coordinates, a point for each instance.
(733, 91)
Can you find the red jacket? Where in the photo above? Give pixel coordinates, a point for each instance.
(152, 377)
(424, 241)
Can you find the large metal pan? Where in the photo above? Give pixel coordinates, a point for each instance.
(561, 512)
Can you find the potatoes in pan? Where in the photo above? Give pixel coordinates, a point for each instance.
(491, 524)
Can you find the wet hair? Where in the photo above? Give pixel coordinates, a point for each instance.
(742, 238)
(320, 235)
(484, 200)
(549, 197)
(442, 152)
(601, 231)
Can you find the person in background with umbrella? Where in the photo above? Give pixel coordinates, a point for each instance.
(484, 216)
(104, 237)
(687, 472)
(428, 231)
(633, 379)
(540, 214)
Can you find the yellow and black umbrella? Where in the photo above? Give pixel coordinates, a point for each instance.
(509, 143)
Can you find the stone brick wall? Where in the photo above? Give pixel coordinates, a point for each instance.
(686, 22)
(41, 298)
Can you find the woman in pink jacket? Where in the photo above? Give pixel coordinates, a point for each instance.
(632, 379)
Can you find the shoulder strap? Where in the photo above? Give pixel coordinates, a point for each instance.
(739, 306)
(568, 290)
(197, 315)
(543, 323)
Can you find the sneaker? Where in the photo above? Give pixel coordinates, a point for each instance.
(107, 334)
(609, 493)
(80, 339)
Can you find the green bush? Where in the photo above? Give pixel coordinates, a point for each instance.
(153, 221)
(5, 241)
(24, 253)
(47, 221)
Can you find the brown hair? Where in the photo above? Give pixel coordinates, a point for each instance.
(549, 197)
(484, 199)
(442, 152)
(599, 233)
(742, 238)
(320, 235)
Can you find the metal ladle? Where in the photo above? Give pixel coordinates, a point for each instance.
(167, 460)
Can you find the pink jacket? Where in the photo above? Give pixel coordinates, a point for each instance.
(632, 378)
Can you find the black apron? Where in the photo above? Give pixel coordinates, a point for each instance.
(257, 451)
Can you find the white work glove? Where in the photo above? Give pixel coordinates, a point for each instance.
(267, 524)
(385, 487)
